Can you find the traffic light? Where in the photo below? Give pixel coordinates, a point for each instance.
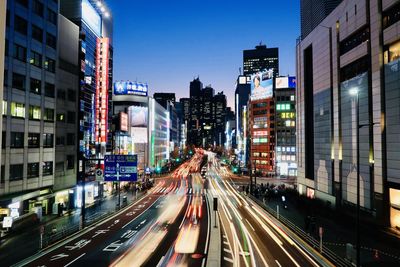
(158, 169)
(177, 159)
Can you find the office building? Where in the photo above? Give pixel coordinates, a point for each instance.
(285, 126)
(194, 126)
(28, 121)
(259, 59)
(220, 118)
(313, 12)
(3, 12)
(164, 98)
(96, 53)
(338, 85)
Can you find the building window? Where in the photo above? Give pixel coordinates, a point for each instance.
(59, 166)
(20, 25)
(33, 170)
(61, 117)
(354, 40)
(36, 86)
(50, 65)
(3, 139)
(70, 162)
(48, 140)
(47, 168)
(392, 53)
(37, 33)
(4, 113)
(49, 90)
(34, 112)
(38, 8)
(36, 59)
(70, 139)
(3, 176)
(71, 95)
(23, 2)
(60, 141)
(19, 52)
(18, 81)
(33, 140)
(61, 94)
(51, 16)
(71, 117)
(17, 110)
(5, 77)
(391, 16)
(48, 114)
(16, 172)
(51, 40)
(17, 140)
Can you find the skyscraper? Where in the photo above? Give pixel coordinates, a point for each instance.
(259, 59)
(242, 94)
(312, 12)
(164, 98)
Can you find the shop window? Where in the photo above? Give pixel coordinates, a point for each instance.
(18, 81)
(47, 168)
(48, 115)
(34, 112)
(17, 110)
(16, 172)
(19, 52)
(48, 140)
(33, 140)
(33, 170)
(36, 86)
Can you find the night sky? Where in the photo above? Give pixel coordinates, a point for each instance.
(167, 43)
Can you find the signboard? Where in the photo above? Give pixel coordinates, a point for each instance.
(138, 116)
(262, 85)
(285, 82)
(123, 122)
(130, 88)
(91, 17)
(7, 222)
(120, 168)
(99, 175)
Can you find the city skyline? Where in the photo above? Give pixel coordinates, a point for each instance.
(146, 46)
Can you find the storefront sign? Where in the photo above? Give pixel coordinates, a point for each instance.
(7, 222)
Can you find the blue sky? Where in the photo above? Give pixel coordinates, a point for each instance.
(166, 43)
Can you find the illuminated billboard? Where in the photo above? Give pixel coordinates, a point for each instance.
(91, 17)
(138, 116)
(123, 122)
(139, 135)
(130, 88)
(285, 82)
(262, 85)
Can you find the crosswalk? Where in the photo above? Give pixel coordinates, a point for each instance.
(166, 190)
(227, 254)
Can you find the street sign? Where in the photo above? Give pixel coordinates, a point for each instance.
(215, 208)
(42, 230)
(99, 175)
(7, 222)
(120, 168)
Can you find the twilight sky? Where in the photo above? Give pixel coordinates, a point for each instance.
(166, 43)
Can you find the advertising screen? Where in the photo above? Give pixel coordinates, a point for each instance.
(130, 88)
(262, 85)
(282, 82)
(91, 17)
(123, 122)
(139, 135)
(138, 116)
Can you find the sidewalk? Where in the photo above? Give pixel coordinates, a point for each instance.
(378, 247)
(18, 246)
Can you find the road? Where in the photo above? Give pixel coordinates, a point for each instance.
(159, 229)
(249, 236)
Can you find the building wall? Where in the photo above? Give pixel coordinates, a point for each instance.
(3, 11)
(357, 55)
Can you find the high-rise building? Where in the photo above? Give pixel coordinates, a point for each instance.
(28, 121)
(196, 87)
(259, 59)
(185, 108)
(347, 102)
(285, 126)
(313, 12)
(96, 54)
(3, 14)
(219, 117)
(164, 98)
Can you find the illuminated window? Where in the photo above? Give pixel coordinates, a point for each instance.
(287, 106)
(4, 108)
(17, 110)
(34, 112)
(292, 98)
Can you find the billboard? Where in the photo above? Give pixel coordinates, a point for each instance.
(262, 85)
(138, 116)
(120, 168)
(139, 135)
(123, 122)
(285, 82)
(91, 17)
(130, 88)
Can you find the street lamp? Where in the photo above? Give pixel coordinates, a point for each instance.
(355, 93)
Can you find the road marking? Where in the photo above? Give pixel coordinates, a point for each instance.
(113, 246)
(139, 215)
(228, 250)
(228, 259)
(277, 262)
(209, 225)
(161, 261)
(250, 225)
(68, 264)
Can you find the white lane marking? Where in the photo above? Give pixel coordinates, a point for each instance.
(227, 250)
(277, 262)
(250, 225)
(209, 226)
(228, 259)
(161, 261)
(226, 243)
(68, 264)
(139, 214)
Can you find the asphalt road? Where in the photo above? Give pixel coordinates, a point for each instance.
(249, 237)
(168, 226)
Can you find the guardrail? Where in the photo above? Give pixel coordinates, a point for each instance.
(326, 252)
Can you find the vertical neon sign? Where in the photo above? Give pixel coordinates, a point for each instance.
(102, 83)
